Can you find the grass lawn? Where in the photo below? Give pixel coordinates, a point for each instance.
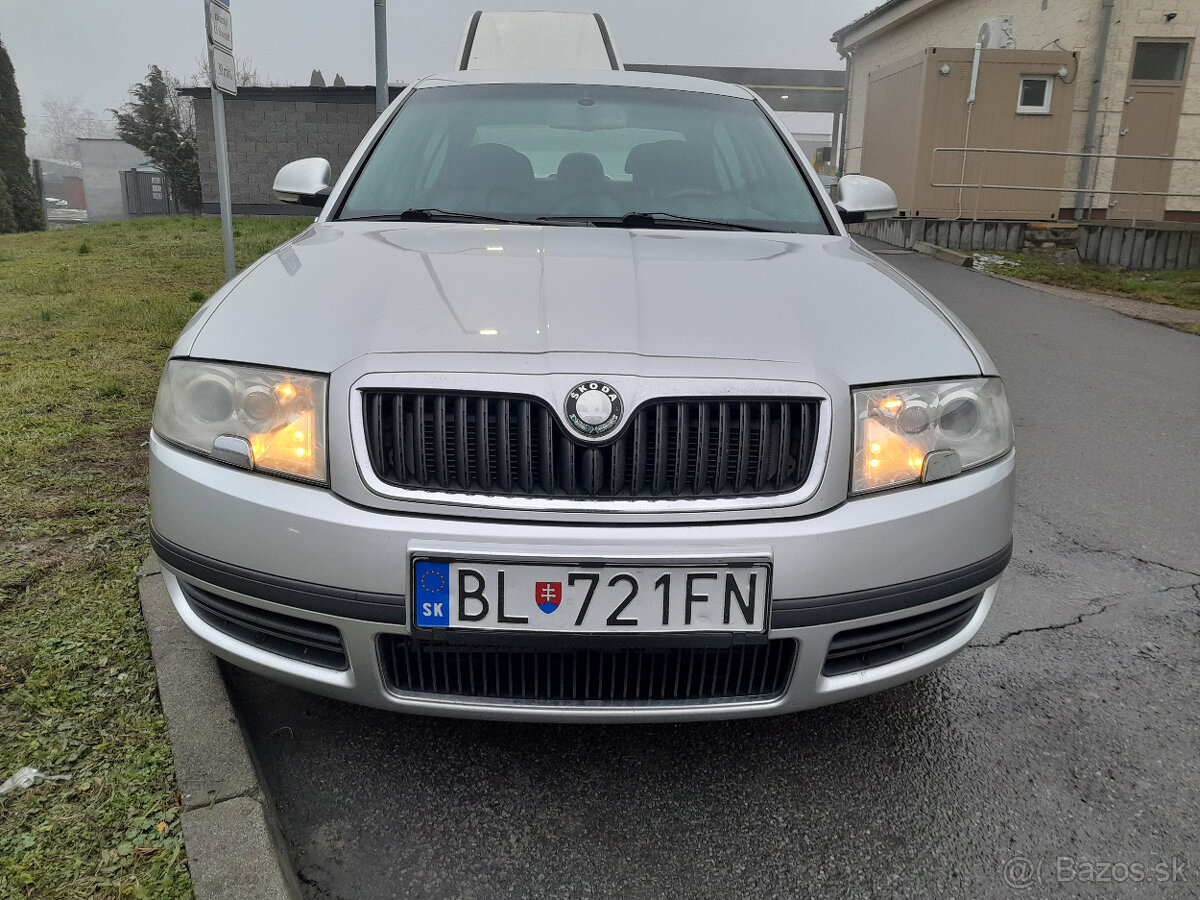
(87, 315)
(1180, 287)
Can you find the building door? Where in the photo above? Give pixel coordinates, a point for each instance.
(1149, 125)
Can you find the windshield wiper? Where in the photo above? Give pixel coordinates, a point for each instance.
(429, 214)
(629, 220)
(649, 220)
(586, 221)
(673, 220)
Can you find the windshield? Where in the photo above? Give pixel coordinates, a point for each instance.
(584, 154)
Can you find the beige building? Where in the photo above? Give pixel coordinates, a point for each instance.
(1074, 76)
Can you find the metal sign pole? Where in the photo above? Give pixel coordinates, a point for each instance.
(222, 72)
(381, 67)
(218, 105)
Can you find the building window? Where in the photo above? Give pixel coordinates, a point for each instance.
(1035, 94)
(1159, 61)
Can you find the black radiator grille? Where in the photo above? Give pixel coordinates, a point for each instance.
(516, 446)
(300, 639)
(630, 675)
(875, 645)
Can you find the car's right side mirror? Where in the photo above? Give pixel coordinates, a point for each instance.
(860, 197)
(305, 181)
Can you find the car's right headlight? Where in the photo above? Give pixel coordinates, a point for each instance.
(268, 420)
(906, 433)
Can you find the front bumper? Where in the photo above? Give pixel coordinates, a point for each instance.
(305, 554)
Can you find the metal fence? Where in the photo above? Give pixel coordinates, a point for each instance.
(146, 193)
(1091, 192)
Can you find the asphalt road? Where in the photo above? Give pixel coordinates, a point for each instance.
(1056, 756)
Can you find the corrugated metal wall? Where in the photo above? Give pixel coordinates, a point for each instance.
(892, 136)
(914, 108)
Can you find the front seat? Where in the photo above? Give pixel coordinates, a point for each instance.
(582, 188)
(487, 178)
(663, 168)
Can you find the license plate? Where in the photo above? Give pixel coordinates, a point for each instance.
(608, 599)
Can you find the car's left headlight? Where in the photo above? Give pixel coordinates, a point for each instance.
(263, 419)
(907, 433)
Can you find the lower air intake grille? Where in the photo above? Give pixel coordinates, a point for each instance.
(627, 676)
(876, 645)
(516, 446)
(311, 642)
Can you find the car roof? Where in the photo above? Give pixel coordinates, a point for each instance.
(590, 76)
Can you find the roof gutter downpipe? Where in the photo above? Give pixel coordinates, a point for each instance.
(975, 72)
(1089, 131)
(962, 175)
(844, 137)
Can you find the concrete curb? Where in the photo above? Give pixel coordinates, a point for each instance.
(944, 254)
(1157, 313)
(234, 848)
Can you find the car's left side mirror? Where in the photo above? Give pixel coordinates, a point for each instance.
(305, 181)
(860, 197)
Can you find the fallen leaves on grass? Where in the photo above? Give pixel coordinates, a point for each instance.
(85, 334)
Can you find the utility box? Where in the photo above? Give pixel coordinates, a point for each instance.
(1023, 101)
(537, 40)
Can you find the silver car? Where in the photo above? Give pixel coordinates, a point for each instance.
(577, 402)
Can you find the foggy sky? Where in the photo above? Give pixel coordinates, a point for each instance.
(96, 49)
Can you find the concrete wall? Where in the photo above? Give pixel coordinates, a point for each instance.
(104, 159)
(907, 28)
(268, 128)
(952, 233)
(1161, 246)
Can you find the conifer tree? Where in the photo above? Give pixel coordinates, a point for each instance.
(150, 122)
(8, 222)
(20, 196)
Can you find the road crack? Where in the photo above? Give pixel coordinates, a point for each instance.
(1075, 542)
(1107, 603)
(1060, 626)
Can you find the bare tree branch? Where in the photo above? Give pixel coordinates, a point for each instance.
(64, 121)
(245, 73)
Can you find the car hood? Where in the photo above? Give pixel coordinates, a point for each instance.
(344, 289)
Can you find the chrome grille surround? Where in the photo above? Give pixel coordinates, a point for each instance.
(513, 445)
(675, 469)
